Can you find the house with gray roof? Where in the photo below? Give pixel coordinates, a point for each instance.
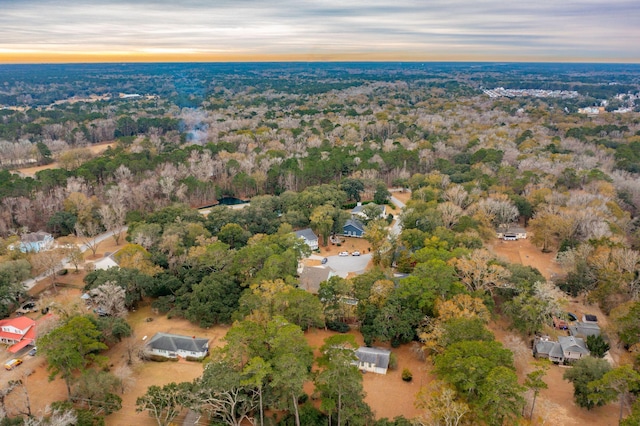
(573, 348)
(584, 329)
(309, 237)
(312, 276)
(353, 228)
(375, 360)
(174, 345)
(359, 212)
(566, 349)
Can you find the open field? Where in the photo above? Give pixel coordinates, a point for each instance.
(94, 149)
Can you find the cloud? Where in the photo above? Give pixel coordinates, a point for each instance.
(586, 28)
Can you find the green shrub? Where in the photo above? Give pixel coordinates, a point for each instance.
(338, 326)
(393, 361)
(407, 375)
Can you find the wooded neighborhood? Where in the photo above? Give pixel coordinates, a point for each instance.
(364, 207)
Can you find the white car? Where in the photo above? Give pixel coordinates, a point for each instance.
(355, 253)
(343, 253)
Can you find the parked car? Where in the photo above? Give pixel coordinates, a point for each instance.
(343, 253)
(27, 307)
(12, 363)
(355, 253)
(33, 351)
(324, 260)
(101, 312)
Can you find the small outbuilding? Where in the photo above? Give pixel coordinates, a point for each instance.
(174, 345)
(375, 360)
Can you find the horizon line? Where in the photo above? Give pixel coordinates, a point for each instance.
(32, 58)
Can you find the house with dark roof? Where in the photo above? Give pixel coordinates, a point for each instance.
(353, 228)
(584, 329)
(375, 360)
(174, 345)
(36, 242)
(17, 332)
(309, 237)
(312, 276)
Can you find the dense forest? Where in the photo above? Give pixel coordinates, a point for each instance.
(305, 142)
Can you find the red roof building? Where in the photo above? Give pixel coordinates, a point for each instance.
(17, 332)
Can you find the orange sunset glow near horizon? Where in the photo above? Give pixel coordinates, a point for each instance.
(45, 31)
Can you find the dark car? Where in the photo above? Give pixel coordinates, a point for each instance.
(101, 312)
(26, 308)
(324, 260)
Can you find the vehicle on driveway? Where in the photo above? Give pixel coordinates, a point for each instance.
(33, 351)
(324, 260)
(27, 307)
(343, 253)
(355, 253)
(12, 363)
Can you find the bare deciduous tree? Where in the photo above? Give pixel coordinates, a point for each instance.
(111, 299)
(479, 272)
(87, 233)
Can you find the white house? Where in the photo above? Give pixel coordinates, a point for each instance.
(511, 232)
(375, 360)
(174, 346)
(36, 242)
(17, 332)
(359, 214)
(309, 237)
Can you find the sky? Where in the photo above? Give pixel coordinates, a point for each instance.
(323, 30)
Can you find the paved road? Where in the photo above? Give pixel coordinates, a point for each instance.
(396, 228)
(28, 284)
(344, 265)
